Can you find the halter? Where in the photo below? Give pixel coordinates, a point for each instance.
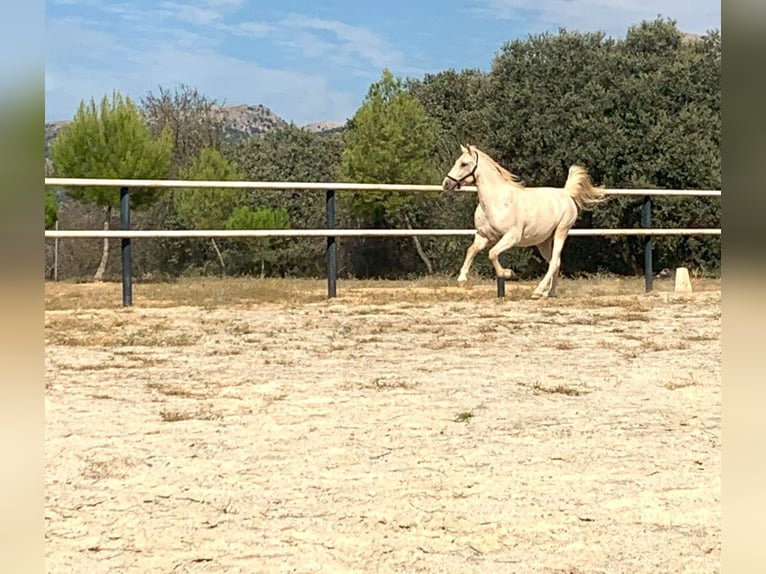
(471, 173)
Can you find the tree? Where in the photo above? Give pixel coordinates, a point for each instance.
(458, 102)
(51, 208)
(390, 139)
(261, 218)
(642, 112)
(292, 154)
(110, 141)
(206, 208)
(195, 120)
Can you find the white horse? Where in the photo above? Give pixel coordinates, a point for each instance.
(510, 215)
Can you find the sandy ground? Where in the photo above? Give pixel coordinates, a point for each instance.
(568, 436)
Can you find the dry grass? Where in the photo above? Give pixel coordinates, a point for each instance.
(653, 345)
(679, 384)
(202, 413)
(590, 292)
(381, 383)
(100, 468)
(139, 360)
(559, 389)
(115, 329)
(173, 390)
(463, 417)
(564, 345)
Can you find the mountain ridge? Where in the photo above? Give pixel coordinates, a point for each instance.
(240, 121)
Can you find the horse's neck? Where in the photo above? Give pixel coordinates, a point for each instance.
(493, 190)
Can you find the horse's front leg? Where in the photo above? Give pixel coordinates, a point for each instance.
(479, 243)
(506, 242)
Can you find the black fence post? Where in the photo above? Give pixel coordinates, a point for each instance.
(331, 269)
(646, 223)
(500, 280)
(127, 262)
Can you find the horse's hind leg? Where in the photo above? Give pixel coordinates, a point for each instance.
(546, 249)
(547, 285)
(479, 243)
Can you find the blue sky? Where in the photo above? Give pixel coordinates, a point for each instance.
(306, 60)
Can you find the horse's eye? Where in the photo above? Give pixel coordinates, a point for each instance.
(463, 163)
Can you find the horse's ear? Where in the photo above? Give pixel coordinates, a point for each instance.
(463, 148)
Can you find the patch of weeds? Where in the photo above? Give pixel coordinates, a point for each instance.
(155, 337)
(559, 389)
(489, 328)
(238, 328)
(379, 328)
(380, 383)
(463, 417)
(673, 385)
(564, 345)
(640, 316)
(389, 383)
(584, 320)
(630, 353)
(652, 345)
(139, 360)
(225, 352)
(702, 337)
(90, 367)
(271, 399)
(98, 468)
(171, 390)
(448, 343)
(201, 414)
(633, 337)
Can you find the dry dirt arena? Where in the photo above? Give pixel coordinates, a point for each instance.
(411, 430)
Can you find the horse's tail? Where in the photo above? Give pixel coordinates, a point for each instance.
(581, 189)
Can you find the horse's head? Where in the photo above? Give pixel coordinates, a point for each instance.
(463, 170)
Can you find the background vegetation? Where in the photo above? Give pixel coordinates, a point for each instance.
(639, 112)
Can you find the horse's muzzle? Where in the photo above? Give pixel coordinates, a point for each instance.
(450, 184)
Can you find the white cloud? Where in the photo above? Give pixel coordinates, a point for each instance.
(182, 57)
(612, 16)
(191, 14)
(251, 28)
(294, 66)
(339, 43)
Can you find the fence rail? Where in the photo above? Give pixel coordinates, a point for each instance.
(330, 232)
(318, 186)
(181, 233)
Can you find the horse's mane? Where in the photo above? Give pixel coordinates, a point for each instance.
(508, 177)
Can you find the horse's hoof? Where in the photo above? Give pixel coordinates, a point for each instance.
(462, 283)
(536, 296)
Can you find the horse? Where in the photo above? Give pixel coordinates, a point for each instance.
(512, 215)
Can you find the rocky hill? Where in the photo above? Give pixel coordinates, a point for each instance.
(241, 121)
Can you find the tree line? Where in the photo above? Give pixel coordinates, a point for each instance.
(638, 112)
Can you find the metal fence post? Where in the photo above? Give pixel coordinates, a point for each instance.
(500, 280)
(127, 262)
(646, 223)
(56, 255)
(331, 269)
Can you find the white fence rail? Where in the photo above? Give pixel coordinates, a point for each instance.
(330, 232)
(318, 186)
(180, 233)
